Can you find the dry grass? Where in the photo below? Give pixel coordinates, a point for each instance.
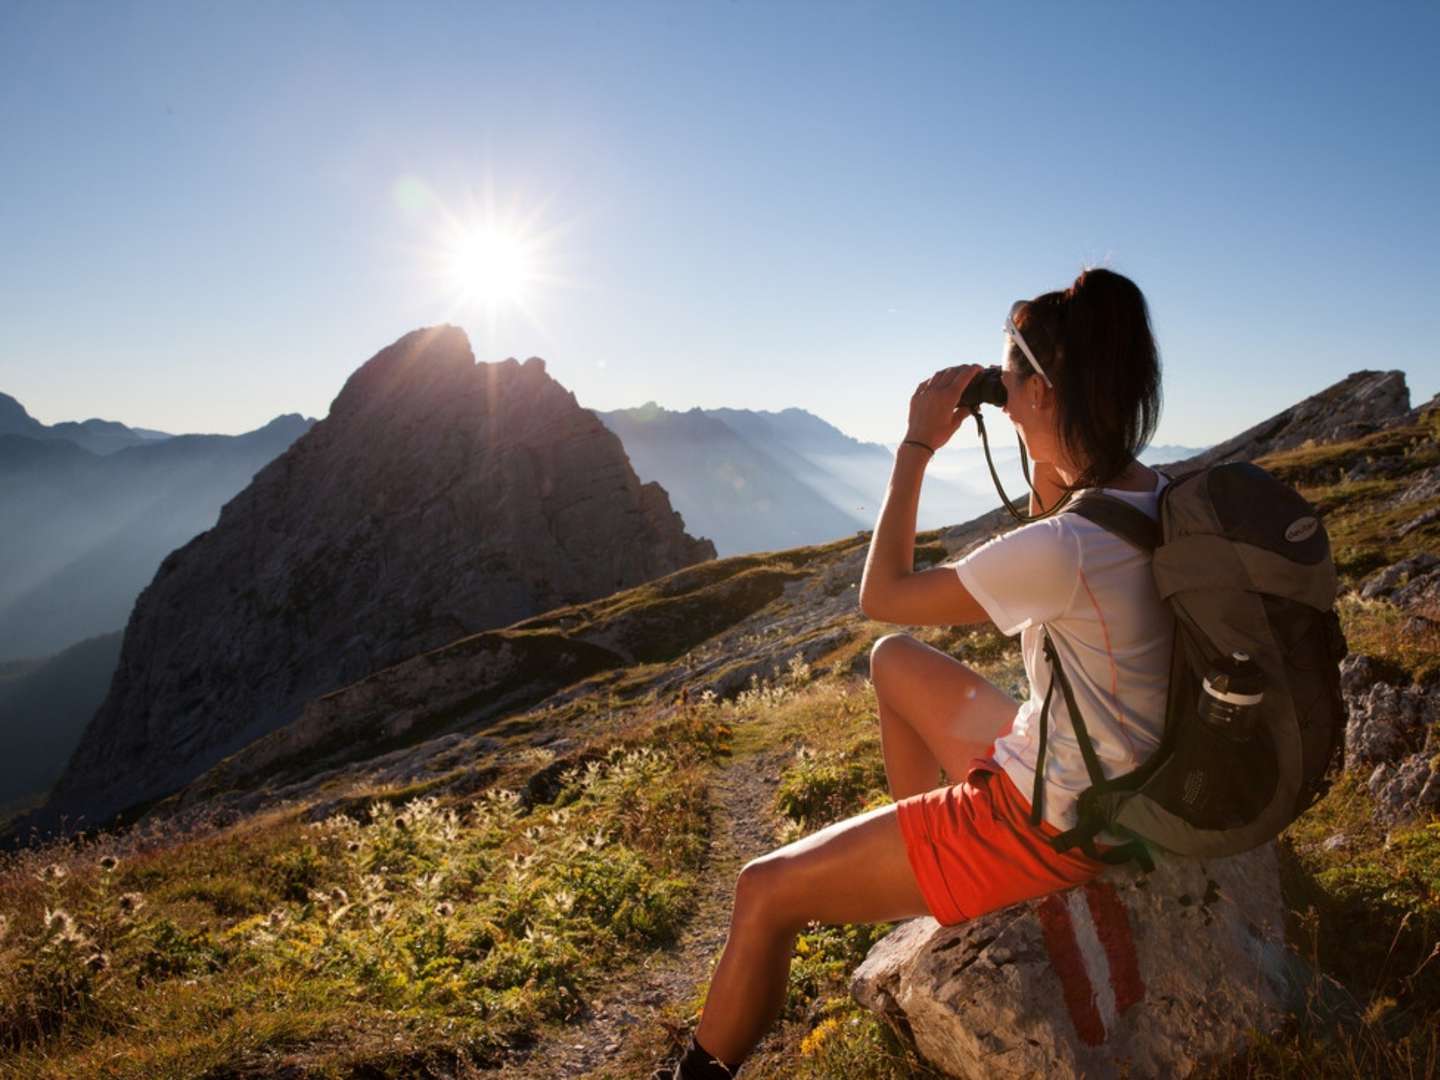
(429, 929)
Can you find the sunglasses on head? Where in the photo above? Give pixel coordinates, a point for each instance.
(1013, 331)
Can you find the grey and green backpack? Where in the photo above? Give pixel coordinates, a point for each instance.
(1243, 562)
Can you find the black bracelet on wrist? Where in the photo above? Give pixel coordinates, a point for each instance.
(917, 442)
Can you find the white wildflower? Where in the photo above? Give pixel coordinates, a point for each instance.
(429, 883)
(59, 922)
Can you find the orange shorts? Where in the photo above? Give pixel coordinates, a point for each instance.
(974, 850)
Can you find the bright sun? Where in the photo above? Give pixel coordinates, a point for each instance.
(491, 266)
(488, 261)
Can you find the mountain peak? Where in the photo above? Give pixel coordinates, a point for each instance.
(439, 498)
(432, 372)
(14, 420)
(419, 358)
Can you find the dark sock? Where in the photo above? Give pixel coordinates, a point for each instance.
(699, 1064)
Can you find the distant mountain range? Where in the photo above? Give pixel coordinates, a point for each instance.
(87, 529)
(97, 436)
(753, 480)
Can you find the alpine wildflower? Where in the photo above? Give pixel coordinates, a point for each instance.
(59, 922)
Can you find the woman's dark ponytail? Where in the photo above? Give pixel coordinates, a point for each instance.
(1106, 370)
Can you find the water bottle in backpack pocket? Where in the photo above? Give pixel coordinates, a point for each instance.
(1222, 756)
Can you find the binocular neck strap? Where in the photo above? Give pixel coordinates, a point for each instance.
(1023, 519)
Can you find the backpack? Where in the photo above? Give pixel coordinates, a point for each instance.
(1243, 562)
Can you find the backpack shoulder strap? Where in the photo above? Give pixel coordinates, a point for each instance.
(1119, 517)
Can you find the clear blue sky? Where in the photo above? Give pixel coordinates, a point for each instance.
(210, 212)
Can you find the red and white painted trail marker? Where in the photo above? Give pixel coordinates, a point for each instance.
(1092, 950)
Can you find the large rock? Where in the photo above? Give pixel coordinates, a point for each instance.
(438, 499)
(1131, 974)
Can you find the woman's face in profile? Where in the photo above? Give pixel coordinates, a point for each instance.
(1026, 418)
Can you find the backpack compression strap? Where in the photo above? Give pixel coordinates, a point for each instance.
(1091, 822)
(1137, 527)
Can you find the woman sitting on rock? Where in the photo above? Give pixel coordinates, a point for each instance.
(1082, 375)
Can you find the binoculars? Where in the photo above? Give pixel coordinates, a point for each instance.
(985, 389)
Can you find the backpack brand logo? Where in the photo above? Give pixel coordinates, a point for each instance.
(1302, 529)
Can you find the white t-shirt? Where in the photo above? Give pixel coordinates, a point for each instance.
(1113, 634)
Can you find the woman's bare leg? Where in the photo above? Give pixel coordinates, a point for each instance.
(934, 713)
(855, 871)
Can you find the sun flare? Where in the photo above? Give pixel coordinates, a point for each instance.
(491, 265)
(487, 259)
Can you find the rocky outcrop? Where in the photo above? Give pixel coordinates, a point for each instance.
(1357, 405)
(1392, 734)
(1129, 975)
(439, 498)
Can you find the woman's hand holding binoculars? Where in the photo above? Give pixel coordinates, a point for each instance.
(935, 410)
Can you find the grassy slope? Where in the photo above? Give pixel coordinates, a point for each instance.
(243, 953)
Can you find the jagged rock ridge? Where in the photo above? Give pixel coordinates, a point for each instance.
(439, 498)
(1362, 402)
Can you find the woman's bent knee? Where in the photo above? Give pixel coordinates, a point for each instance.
(764, 897)
(884, 649)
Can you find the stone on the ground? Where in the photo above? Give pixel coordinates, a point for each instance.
(1131, 974)
(1384, 582)
(1394, 732)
